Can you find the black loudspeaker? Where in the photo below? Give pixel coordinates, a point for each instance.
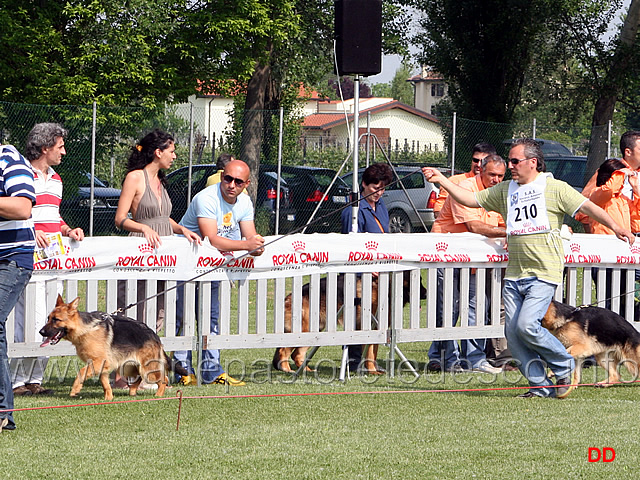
(358, 32)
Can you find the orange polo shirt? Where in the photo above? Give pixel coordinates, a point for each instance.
(622, 209)
(461, 177)
(454, 215)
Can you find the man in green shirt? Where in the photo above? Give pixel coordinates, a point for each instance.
(533, 205)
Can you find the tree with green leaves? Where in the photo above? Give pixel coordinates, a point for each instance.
(398, 88)
(483, 49)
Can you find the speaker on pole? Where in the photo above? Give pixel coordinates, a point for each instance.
(358, 33)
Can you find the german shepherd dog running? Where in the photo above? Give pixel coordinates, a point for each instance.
(282, 354)
(106, 342)
(595, 331)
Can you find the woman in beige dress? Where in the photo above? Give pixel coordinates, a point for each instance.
(144, 206)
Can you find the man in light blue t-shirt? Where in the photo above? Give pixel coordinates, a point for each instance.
(224, 215)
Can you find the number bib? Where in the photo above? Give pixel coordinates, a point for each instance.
(527, 212)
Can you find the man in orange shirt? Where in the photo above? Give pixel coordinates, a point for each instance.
(457, 218)
(478, 152)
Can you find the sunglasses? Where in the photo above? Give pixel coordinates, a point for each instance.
(238, 181)
(515, 161)
(475, 160)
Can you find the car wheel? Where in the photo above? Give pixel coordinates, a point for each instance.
(399, 222)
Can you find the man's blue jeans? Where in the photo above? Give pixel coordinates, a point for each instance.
(447, 352)
(533, 346)
(210, 363)
(13, 279)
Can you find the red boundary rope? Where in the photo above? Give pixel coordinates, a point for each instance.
(179, 396)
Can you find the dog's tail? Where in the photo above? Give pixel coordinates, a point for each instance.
(175, 366)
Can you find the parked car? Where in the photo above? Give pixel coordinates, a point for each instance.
(266, 196)
(308, 185)
(562, 163)
(403, 217)
(75, 206)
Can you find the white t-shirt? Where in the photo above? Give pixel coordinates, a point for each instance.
(209, 203)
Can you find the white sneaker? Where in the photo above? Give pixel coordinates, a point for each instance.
(3, 423)
(486, 367)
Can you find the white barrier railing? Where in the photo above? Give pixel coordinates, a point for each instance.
(253, 290)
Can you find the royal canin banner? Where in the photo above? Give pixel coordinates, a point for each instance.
(285, 256)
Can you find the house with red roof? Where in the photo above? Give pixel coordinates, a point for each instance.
(388, 122)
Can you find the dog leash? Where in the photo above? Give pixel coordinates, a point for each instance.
(179, 284)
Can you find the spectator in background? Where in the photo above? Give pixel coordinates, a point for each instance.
(373, 217)
(144, 208)
(223, 214)
(44, 150)
(457, 218)
(618, 193)
(17, 241)
(630, 150)
(222, 162)
(614, 192)
(478, 152)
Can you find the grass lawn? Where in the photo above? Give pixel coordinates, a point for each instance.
(473, 434)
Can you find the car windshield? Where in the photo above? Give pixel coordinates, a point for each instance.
(549, 148)
(274, 176)
(96, 181)
(571, 172)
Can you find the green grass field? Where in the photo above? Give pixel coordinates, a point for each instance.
(393, 433)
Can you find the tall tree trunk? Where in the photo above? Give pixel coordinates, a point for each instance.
(252, 128)
(610, 88)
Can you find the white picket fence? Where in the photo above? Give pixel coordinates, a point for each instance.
(252, 311)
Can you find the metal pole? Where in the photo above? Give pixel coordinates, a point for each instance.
(453, 143)
(356, 127)
(190, 153)
(93, 166)
(609, 140)
(279, 169)
(368, 135)
(534, 128)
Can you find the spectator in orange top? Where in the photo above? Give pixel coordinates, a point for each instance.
(630, 150)
(478, 152)
(616, 192)
(457, 218)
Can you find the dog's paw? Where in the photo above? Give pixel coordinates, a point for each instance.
(603, 384)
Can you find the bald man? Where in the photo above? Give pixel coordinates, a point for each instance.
(223, 214)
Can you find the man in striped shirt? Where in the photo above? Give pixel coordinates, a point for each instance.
(17, 241)
(45, 149)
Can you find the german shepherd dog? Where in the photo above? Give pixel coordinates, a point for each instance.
(105, 343)
(595, 331)
(282, 354)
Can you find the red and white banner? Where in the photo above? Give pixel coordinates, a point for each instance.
(177, 259)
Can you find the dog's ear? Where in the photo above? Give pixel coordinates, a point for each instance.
(59, 301)
(74, 304)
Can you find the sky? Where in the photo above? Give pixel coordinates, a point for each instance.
(390, 63)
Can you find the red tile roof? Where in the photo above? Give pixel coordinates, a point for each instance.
(327, 121)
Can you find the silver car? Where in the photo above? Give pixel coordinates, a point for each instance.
(407, 211)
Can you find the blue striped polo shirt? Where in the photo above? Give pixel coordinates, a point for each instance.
(17, 237)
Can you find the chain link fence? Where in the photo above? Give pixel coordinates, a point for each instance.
(203, 131)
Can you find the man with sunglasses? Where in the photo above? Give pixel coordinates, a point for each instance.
(478, 152)
(223, 214)
(457, 218)
(533, 205)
